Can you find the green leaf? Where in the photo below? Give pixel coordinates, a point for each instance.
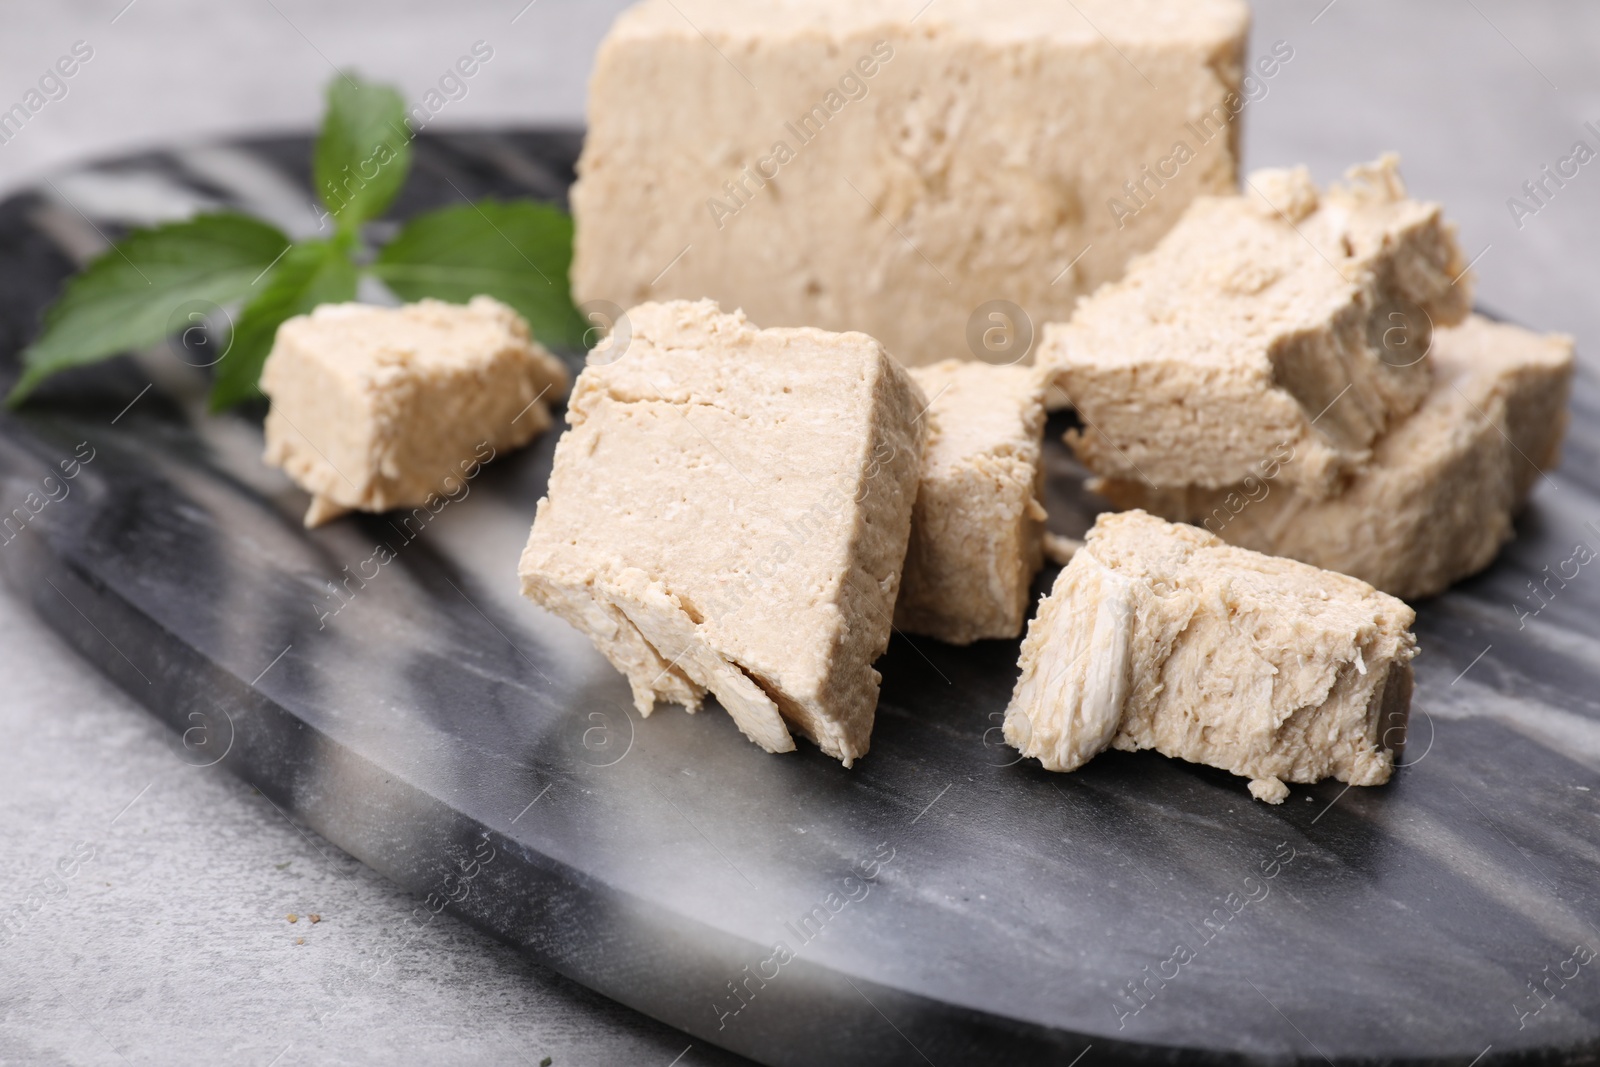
(364, 151)
(146, 288)
(313, 272)
(515, 251)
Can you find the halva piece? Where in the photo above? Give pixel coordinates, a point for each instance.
(977, 528)
(1436, 502)
(1282, 316)
(728, 511)
(891, 166)
(376, 408)
(1162, 636)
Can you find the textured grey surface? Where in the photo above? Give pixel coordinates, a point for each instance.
(171, 944)
(176, 71)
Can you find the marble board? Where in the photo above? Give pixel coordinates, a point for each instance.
(943, 902)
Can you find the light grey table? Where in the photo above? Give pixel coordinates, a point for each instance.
(171, 944)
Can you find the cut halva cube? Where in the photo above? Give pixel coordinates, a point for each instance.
(728, 512)
(376, 408)
(1436, 502)
(1281, 317)
(1162, 636)
(891, 166)
(977, 529)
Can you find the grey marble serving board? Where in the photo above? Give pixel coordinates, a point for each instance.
(942, 902)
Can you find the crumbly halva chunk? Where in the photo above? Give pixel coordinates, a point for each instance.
(1436, 502)
(728, 512)
(1162, 636)
(1284, 316)
(977, 528)
(376, 408)
(894, 173)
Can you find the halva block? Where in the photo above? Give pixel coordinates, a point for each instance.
(728, 512)
(376, 408)
(1162, 636)
(1436, 502)
(891, 166)
(977, 529)
(1282, 316)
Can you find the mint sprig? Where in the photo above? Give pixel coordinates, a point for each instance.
(145, 287)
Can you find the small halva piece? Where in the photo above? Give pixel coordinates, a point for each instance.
(977, 528)
(729, 511)
(1162, 636)
(1436, 503)
(1284, 315)
(376, 407)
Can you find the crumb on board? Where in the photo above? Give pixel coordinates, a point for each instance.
(293, 917)
(314, 917)
(299, 940)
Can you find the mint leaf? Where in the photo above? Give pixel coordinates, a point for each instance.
(312, 273)
(363, 154)
(128, 297)
(517, 252)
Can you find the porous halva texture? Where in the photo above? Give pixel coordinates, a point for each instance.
(1162, 636)
(1282, 316)
(1436, 502)
(376, 408)
(866, 165)
(728, 512)
(977, 529)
